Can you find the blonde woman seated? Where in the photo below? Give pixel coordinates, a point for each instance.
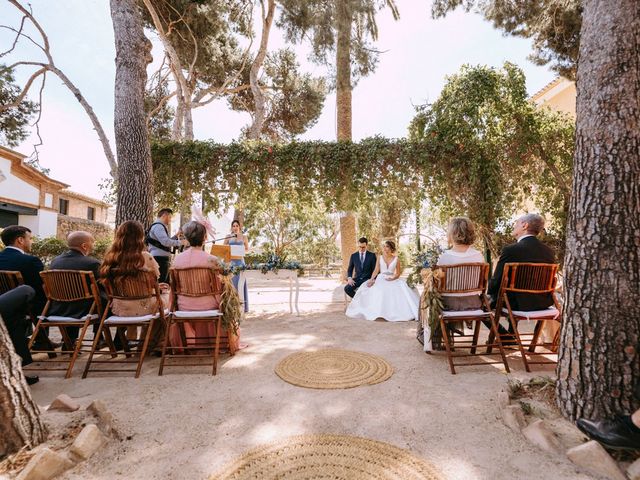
(462, 234)
(127, 256)
(195, 257)
(385, 295)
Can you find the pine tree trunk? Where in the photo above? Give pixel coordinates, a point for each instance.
(255, 131)
(20, 422)
(343, 112)
(599, 358)
(343, 70)
(135, 174)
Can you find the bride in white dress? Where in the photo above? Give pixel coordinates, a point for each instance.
(385, 295)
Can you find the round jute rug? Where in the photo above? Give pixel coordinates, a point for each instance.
(332, 368)
(335, 457)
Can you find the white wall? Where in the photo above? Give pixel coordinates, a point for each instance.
(45, 224)
(13, 188)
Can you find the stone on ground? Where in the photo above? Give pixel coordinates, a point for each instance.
(46, 464)
(541, 436)
(592, 457)
(105, 418)
(64, 403)
(633, 471)
(88, 442)
(513, 417)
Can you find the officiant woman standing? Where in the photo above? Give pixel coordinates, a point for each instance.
(239, 239)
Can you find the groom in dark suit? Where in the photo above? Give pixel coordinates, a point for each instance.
(361, 267)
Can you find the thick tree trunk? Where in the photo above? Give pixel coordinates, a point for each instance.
(258, 96)
(20, 422)
(599, 358)
(344, 22)
(343, 69)
(135, 173)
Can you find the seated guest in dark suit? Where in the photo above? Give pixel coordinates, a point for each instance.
(15, 257)
(361, 267)
(77, 258)
(527, 249)
(14, 307)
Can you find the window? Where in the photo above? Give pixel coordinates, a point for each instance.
(91, 213)
(64, 206)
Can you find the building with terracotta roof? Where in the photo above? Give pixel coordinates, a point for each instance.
(31, 198)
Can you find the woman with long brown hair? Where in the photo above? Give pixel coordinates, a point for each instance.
(127, 256)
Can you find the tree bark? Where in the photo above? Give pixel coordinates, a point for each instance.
(343, 70)
(135, 174)
(599, 361)
(258, 95)
(20, 423)
(344, 20)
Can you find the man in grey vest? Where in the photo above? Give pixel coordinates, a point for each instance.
(160, 244)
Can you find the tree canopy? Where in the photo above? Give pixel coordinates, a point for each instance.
(13, 122)
(552, 25)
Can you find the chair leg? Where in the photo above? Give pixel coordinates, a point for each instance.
(143, 352)
(77, 348)
(94, 346)
(514, 324)
(164, 345)
(556, 340)
(216, 349)
(496, 336)
(447, 346)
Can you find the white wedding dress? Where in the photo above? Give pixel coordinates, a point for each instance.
(392, 300)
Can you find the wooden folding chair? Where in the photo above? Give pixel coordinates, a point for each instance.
(467, 278)
(12, 279)
(66, 286)
(530, 279)
(140, 286)
(194, 282)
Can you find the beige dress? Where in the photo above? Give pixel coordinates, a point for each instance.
(138, 308)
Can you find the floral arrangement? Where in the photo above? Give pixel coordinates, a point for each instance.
(273, 263)
(423, 259)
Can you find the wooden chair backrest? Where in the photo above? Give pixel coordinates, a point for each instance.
(137, 286)
(464, 278)
(223, 252)
(10, 280)
(69, 285)
(196, 282)
(534, 278)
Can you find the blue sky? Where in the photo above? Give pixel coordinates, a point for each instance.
(418, 54)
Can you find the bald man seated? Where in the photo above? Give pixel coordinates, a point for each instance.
(80, 246)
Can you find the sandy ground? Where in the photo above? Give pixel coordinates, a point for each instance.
(187, 424)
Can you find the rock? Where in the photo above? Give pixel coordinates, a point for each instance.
(592, 457)
(513, 417)
(105, 418)
(44, 465)
(88, 442)
(539, 434)
(633, 471)
(503, 399)
(65, 403)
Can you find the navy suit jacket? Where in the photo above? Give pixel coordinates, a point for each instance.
(360, 273)
(527, 250)
(30, 268)
(74, 260)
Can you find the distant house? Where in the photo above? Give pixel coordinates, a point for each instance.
(30, 198)
(559, 95)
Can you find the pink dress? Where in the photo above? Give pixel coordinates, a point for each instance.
(194, 257)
